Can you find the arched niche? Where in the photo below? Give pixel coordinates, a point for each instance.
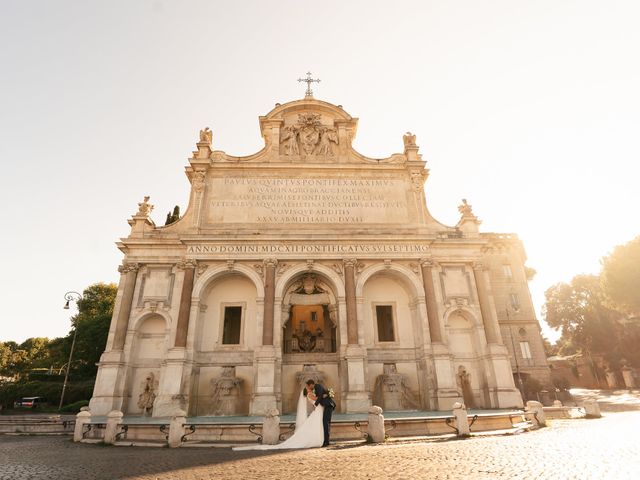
(147, 353)
(309, 315)
(227, 312)
(465, 352)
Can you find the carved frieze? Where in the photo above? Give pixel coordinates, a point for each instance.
(308, 137)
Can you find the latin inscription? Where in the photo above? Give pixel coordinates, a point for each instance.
(303, 200)
(342, 249)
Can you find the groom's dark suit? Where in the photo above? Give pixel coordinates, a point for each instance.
(322, 398)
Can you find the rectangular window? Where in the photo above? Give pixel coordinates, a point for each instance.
(515, 301)
(384, 317)
(526, 353)
(232, 323)
(506, 271)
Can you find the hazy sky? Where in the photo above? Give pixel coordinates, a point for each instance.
(529, 109)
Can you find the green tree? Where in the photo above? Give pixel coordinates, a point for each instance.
(173, 217)
(92, 323)
(580, 310)
(621, 276)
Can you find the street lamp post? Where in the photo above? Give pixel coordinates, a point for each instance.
(69, 297)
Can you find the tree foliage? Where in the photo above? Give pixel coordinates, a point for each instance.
(580, 309)
(92, 323)
(95, 309)
(621, 276)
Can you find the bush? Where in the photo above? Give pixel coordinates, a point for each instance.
(76, 391)
(75, 406)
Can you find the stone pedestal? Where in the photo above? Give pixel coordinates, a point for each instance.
(375, 427)
(536, 407)
(461, 419)
(357, 398)
(271, 427)
(592, 409)
(114, 419)
(107, 392)
(265, 363)
(502, 390)
(172, 396)
(611, 379)
(82, 419)
(627, 376)
(176, 428)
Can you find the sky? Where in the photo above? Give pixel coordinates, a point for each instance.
(528, 109)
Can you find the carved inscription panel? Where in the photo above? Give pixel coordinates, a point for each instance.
(307, 200)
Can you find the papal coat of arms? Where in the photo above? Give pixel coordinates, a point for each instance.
(308, 137)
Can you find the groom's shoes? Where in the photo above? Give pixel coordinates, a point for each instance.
(326, 444)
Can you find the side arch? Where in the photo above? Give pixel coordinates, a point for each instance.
(212, 273)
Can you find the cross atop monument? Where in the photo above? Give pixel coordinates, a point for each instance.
(309, 80)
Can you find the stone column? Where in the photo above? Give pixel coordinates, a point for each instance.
(462, 419)
(269, 300)
(185, 303)
(488, 319)
(176, 428)
(114, 419)
(82, 418)
(130, 272)
(430, 297)
(536, 407)
(350, 294)
(375, 425)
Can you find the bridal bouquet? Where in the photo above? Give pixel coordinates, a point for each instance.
(330, 393)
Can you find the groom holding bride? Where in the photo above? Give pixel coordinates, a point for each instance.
(322, 397)
(311, 431)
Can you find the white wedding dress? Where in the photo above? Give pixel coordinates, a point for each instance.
(309, 432)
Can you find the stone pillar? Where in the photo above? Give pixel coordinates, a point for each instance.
(611, 379)
(176, 428)
(182, 327)
(350, 294)
(82, 419)
(130, 272)
(461, 418)
(114, 419)
(592, 409)
(269, 300)
(536, 407)
(430, 297)
(375, 426)
(627, 376)
(271, 427)
(488, 318)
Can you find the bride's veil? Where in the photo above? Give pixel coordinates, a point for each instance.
(301, 412)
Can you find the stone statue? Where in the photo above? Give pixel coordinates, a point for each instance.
(148, 395)
(409, 140)
(463, 379)
(226, 392)
(392, 390)
(144, 208)
(327, 137)
(465, 209)
(290, 140)
(206, 136)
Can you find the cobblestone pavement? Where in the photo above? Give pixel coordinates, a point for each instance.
(605, 448)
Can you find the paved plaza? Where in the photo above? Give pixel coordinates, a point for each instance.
(605, 448)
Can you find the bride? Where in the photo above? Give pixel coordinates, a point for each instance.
(309, 432)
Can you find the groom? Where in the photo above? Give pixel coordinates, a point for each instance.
(322, 398)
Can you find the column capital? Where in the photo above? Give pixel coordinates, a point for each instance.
(428, 262)
(479, 266)
(186, 264)
(349, 262)
(270, 262)
(128, 267)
